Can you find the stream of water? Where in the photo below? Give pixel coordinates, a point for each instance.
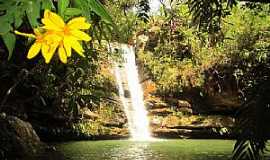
(131, 94)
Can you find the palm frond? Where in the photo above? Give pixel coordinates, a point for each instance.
(143, 10)
(247, 150)
(252, 120)
(206, 15)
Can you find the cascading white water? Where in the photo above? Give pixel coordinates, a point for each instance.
(127, 79)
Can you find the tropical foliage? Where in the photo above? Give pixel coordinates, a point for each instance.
(193, 44)
(229, 44)
(78, 84)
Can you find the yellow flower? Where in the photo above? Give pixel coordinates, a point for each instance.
(57, 34)
(46, 42)
(70, 32)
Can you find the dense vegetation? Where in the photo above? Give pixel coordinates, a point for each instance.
(231, 54)
(194, 45)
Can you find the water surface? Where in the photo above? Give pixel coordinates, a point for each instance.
(155, 150)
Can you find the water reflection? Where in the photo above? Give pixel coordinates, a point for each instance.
(136, 151)
(153, 150)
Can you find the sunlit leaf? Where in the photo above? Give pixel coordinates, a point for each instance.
(47, 4)
(99, 9)
(62, 6)
(73, 11)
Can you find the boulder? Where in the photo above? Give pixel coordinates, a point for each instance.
(155, 121)
(127, 94)
(87, 114)
(151, 104)
(183, 104)
(118, 124)
(161, 111)
(185, 111)
(18, 140)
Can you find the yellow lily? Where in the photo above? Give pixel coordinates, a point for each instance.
(45, 42)
(70, 32)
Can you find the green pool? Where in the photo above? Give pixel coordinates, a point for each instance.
(154, 150)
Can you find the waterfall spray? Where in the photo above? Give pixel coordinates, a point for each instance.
(128, 81)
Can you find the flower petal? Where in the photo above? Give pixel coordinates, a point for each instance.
(70, 41)
(53, 47)
(80, 35)
(78, 23)
(46, 13)
(77, 47)
(62, 54)
(52, 38)
(46, 53)
(52, 21)
(67, 46)
(49, 25)
(34, 50)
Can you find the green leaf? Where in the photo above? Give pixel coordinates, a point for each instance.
(83, 5)
(47, 4)
(33, 12)
(18, 18)
(62, 6)
(73, 12)
(9, 15)
(4, 5)
(9, 40)
(5, 27)
(99, 9)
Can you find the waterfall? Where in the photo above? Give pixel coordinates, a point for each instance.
(131, 94)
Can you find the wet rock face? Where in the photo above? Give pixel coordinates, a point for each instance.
(18, 140)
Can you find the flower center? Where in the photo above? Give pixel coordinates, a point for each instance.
(39, 38)
(66, 30)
